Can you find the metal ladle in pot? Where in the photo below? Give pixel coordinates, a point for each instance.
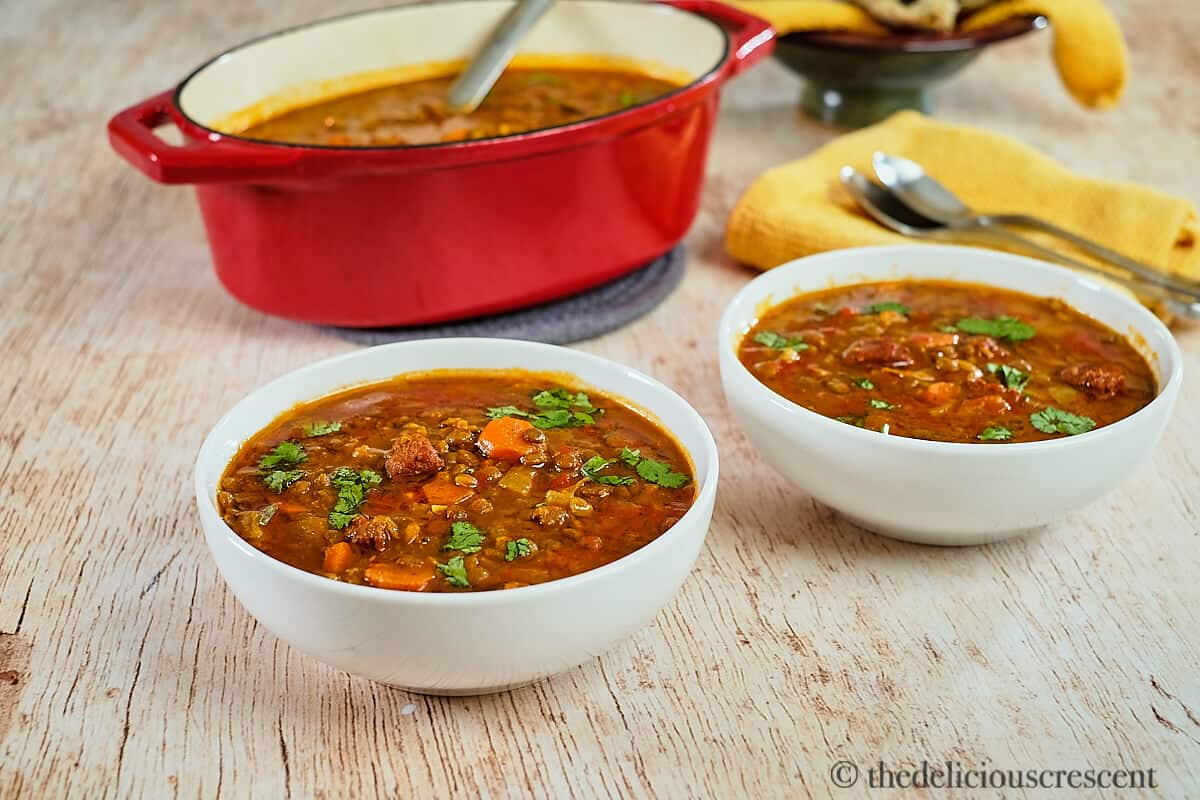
(473, 85)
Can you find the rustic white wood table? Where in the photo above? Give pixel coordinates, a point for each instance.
(127, 669)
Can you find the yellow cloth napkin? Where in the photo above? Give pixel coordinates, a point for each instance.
(801, 208)
(1089, 49)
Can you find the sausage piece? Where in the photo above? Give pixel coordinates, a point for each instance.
(879, 352)
(376, 532)
(412, 455)
(985, 348)
(1098, 380)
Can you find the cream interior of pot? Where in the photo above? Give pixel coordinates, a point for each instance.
(306, 59)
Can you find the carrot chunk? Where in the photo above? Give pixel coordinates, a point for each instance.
(504, 438)
(397, 576)
(442, 492)
(338, 556)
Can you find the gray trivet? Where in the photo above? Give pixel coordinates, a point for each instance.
(573, 319)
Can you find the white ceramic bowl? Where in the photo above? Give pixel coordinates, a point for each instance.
(941, 492)
(469, 643)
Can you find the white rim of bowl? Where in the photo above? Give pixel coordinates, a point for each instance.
(728, 328)
(706, 493)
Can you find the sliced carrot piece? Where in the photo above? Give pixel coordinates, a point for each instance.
(441, 492)
(338, 556)
(504, 438)
(387, 575)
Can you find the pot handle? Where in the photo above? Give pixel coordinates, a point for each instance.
(219, 160)
(751, 38)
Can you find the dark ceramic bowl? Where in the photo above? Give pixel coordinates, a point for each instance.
(853, 80)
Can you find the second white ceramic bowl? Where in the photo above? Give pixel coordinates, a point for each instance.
(940, 492)
(468, 643)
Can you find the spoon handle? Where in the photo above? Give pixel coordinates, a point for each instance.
(1096, 249)
(1185, 305)
(481, 74)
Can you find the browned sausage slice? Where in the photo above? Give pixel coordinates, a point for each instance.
(1098, 380)
(880, 352)
(412, 455)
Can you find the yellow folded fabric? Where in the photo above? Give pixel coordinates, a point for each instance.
(1089, 49)
(801, 208)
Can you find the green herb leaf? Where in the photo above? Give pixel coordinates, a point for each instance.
(1000, 328)
(626, 98)
(887, 305)
(653, 471)
(267, 514)
(560, 409)
(352, 488)
(881, 404)
(1011, 377)
(518, 548)
(777, 341)
(994, 433)
(1055, 420)
(285, 454)
(496, 412)
(543, 79)
(863, 383)
(947, 328)
(280, 479)
(856, 420)
(595, 465)
(465, 537)
(561, 398)
(455, 571)
(321, 428)
(660, 473)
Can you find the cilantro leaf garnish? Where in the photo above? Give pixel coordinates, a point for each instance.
(595, 465)
(994, 433)
(653, 471)
(280, 479)
(947, 328)
(321, 428)
(496, 412)
(863, 383)
(852, 419)
(887, 305)
(352, 488)
(465, 537)
(881, 404)
(660, 473)
(455, 571)
(285, 454)
(626, 98)
(1000, 328)
(561, 398)
(560, 409)
(1011, 377)
(518, 548)
(267, 514)
(777, 341)
(1055, 420)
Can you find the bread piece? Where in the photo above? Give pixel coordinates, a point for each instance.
(934, 15)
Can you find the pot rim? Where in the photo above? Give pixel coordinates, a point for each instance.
(614, 121)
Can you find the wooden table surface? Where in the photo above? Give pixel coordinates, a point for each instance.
(127, 669)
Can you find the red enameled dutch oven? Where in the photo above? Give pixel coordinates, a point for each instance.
(408, 235)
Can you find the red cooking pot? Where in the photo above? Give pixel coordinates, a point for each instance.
(377, 236)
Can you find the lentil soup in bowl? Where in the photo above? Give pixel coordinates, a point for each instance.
(433, 515)
(946, 395)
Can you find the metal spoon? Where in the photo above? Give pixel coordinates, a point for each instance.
(889, 211)
(481, 74)
(910, 182)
